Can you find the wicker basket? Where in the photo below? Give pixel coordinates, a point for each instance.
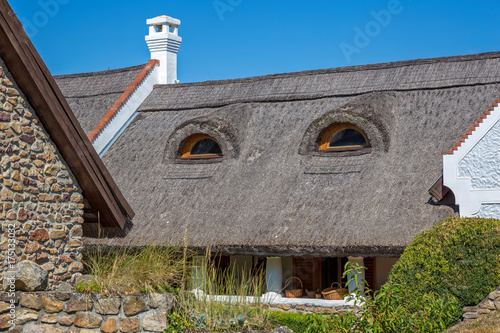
(293, 293)
(311, 294)
(319, 296)
(335, 293)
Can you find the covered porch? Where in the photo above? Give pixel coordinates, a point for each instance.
(276, 302)
(311, 274)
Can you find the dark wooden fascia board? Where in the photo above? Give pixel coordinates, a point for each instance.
(438, 190)
(45, 97)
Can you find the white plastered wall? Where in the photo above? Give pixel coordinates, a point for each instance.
(164, 42)
(126, 114)
(472, 172)
(384, 266)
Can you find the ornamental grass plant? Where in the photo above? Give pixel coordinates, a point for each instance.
(223, 299)
(147, 269)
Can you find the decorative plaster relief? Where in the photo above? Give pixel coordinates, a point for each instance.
(489, 211)
(481, 164)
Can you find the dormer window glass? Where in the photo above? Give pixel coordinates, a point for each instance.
(200, 146)
(342, 137)
(347, 138)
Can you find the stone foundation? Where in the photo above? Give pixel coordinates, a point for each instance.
(73, 312)
(311, 308)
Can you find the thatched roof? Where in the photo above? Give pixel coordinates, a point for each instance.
(90, 95)
(272, 192)
(345, 81)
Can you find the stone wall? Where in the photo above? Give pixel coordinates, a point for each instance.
(312, 308)
(41, 204)
(489, 304)
(73, 312)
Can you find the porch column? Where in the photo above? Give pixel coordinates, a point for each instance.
(361, 275)
(274, 274)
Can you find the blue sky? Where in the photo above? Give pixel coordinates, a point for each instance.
(225, 39)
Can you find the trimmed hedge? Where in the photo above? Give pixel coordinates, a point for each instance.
(454, 264)
(458, 258)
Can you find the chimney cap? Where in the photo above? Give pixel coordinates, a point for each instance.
(164, 19)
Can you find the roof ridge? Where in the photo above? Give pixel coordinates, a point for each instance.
(286, 97)
(106, 119)
(476, 124)
(105, 72)
(358, 68)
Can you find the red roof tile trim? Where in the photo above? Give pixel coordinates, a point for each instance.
(473, 128)
(122, 99)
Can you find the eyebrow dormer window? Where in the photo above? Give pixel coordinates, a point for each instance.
(200, 146)
(343, 137)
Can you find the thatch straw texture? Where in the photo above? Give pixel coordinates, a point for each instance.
(272, 193)
(90, 95)
(345, 81)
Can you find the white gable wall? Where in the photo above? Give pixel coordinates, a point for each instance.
(472, 172)
(126, 114)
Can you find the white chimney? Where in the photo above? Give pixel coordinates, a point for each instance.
(163, 42)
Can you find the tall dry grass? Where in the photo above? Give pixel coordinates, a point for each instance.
(230, 298)
(137, 270)
(154, 268)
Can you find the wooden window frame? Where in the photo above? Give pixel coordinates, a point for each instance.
(370, 264)
(329, 133)
(189, 144)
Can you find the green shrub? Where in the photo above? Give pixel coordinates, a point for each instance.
(452, 265)
(434, 315)
(176, 323)
(386, 310)
(315, 323)
(457, 257)
(390, 310)
(294, 321)
(88, 287)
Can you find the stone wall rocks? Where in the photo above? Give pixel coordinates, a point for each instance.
(311, 308)
(41, 204)
(29, 276)
(67, 312)
(490, 304)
